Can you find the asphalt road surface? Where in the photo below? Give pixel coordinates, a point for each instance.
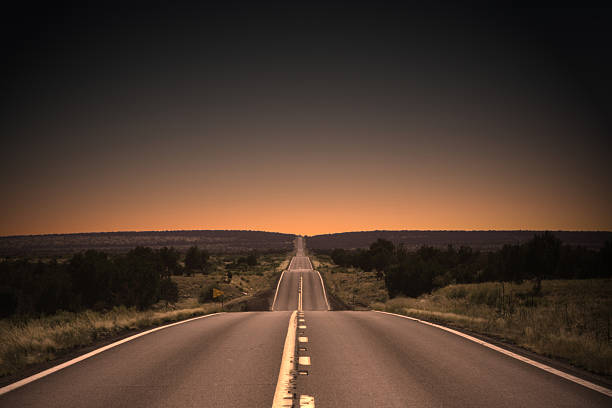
(300, 270)
(368, 359)
(356, 359)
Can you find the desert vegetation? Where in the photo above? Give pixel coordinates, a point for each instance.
(479, 240)
(30, 341)
(88, 280)
(569, 319)
(413, 273)
(214, 241)
(354, 288)
(51, 306)
(543, 295)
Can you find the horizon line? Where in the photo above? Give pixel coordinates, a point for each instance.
(307, 235)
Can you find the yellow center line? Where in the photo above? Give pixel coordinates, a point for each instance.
(283, 396)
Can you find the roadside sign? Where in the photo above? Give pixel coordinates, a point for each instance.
(217, 293)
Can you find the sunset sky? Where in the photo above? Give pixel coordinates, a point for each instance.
(304, 120)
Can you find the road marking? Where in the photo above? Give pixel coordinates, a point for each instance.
(277, 286)
(323, 286)
(541, 366)
(303, 339)
(303, 326)
(59, 367)
(304, 360)
(283, 395)
(301, 320)
(300, 294)
(306, 401)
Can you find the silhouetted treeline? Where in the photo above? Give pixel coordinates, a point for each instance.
(414, 273)
(93, 279)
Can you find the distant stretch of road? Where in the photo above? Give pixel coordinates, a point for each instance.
(313, 294)
(339, 359)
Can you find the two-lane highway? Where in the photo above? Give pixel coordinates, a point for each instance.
(226, 360)
(300, 272)
(302, 354)
(369, 359)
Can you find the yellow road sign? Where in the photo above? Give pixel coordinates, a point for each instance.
(217, 293)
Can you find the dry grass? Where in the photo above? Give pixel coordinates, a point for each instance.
(38, 340)
(355, 288)
(32, 341)
(570, 320)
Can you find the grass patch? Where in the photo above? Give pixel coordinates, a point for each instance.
(354, 287)
(28, 341)
(570, 320)
(37, 340)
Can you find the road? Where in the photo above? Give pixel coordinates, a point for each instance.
(357, 359)
(368, 359)
(225, 360)
(300, 269)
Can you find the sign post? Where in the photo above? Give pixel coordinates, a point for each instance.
(218, 293)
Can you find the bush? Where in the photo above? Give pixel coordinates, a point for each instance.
(415, 273)
(484, 295)
(206, 294)
(168, 291)
(8, 301)
(89, 280)
(196, 259)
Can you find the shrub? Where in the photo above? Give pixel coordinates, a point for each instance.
(169, 291)
(206, 294)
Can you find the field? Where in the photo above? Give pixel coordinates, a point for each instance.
(482, 240)
(354, 288)
(246, 281)
(215, 241)
(26, 342)
(35, 341)
(570, 320)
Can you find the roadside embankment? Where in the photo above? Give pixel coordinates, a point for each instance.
(569, 320)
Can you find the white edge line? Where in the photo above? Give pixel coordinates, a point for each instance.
(59, 367)
(324, 293)
(541, 366)
(277, 286)
(283, 391)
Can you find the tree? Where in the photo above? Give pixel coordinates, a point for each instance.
(168, 290)
(90, 273)
(251, 260)
(605, 260)
(381, 254)
(339, 257)
(168, 259)
(9, 300)
(542, 258)
(196, 259)
(511, 265)
(140, 276)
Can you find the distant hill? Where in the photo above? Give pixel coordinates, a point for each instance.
(483, 240)
(212, 240)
